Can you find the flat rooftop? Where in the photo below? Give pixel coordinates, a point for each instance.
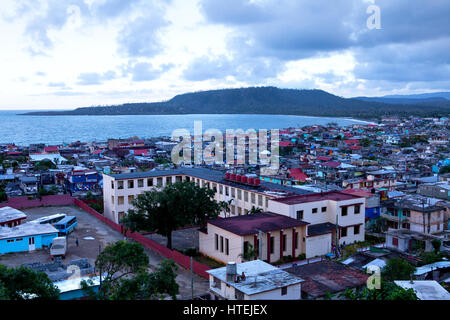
(259, 277)
(332, 195)
(214, 176)
(10, 214)
(26, 229)
(252, 223)
(426, 289)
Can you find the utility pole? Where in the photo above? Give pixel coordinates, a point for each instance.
(337, 230)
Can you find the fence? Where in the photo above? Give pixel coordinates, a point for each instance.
(25, 203)
(185, 261)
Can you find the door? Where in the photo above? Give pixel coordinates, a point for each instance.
(31, 246)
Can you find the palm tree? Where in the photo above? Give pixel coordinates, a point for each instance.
(249, 254)
(255, 210)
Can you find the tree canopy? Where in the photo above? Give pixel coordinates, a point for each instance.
(397, 269)
(23, 283)
(125, 270)
(177, 205)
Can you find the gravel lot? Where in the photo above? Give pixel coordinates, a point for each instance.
(90, 227)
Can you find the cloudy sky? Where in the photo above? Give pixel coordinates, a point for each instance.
(63, 54)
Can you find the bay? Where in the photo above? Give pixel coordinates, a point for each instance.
(24, 130)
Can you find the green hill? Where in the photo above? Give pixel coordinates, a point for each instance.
(263, 100)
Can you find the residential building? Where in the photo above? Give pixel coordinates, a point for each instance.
(271, 235)
(327, 277)
(26, 237)
(331, 215)
(10, 217)
(119, 190)
(253, 280)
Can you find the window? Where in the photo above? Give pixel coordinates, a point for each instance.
(215, 187)
(120, 185)
(112, 184)
(221, 244)
(284, 242)
(9, 241)
(130, 199)
(344, 211)
(356, 230)
(260, 200)
(296, 240)
(300, 215)
(344, 232)
(272, 244)
(221, 189)
(324, 209)
(227, 252)
(233, 193)
(140, 183)
(227, 191)
(216, 238)
(168, 180)
(239, 194)
(314, 210)
(284, 291)
(395, 242)
(239, 210)
(112, 199)
(159, 182)
(357, 209)
(19, 239)
(245, 196)
(130, 184)
(178, 178)
(253, 198)
(120, 200)
(233, 209)
(149, 182)
(267, 201)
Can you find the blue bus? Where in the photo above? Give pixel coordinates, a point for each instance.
(66, 225)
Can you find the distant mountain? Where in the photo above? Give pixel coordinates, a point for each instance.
(434, 99)
(263, 100)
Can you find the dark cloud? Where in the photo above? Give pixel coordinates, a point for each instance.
(411, 46)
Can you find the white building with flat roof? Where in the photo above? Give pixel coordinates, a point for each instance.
(253, 280)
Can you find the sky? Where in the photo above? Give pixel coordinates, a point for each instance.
(76, 53)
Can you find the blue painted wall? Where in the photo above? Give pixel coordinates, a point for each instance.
(13, 245)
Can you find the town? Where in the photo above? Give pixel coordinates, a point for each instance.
(349, 212)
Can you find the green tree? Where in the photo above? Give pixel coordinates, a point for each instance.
(44, 165)
(444, 169)
(255, 210)
(250, 254)
(175, 206)
(125, 268)
(23, 283)
(397, 269)
(387, 291)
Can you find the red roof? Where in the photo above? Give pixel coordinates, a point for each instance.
(322, 158)
(252, 223)
(285, 144)
(355, 147)
(285, 132)
(351, 141)
(297, 175)
(313, 197)
(332, 164)
(140, 152)
(359, 192)
(51, 149)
